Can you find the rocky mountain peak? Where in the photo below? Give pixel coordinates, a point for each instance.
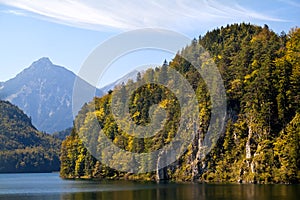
(44, 61)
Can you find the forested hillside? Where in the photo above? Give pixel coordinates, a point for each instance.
(22, 147)
(260, 141)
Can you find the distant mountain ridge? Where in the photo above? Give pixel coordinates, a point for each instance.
(44, 92)
(131, 75)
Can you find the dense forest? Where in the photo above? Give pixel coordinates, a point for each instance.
(259, 142)
(22, 147)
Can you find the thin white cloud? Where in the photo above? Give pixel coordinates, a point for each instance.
(15, 12)
(126, 15)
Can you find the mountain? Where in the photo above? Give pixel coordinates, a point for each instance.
(131, 75)
(44, 92)
(22, 147)
(258, 142)
(62, 135)
(1, 86)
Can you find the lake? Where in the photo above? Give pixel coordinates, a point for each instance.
(50, 186)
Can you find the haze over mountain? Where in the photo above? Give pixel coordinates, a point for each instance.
(131, 75)
(44, 92)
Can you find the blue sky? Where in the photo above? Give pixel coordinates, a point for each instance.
(67, 31)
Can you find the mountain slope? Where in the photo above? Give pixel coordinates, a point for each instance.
(22, 147)
(44, 92)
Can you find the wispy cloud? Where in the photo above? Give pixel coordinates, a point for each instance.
(15, 12)
(126, 15)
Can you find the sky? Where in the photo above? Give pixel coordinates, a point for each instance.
(67, 31)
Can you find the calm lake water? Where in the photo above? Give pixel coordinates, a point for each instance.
(50, 186)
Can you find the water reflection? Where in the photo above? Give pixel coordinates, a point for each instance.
(51, 187)
(196, 191)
